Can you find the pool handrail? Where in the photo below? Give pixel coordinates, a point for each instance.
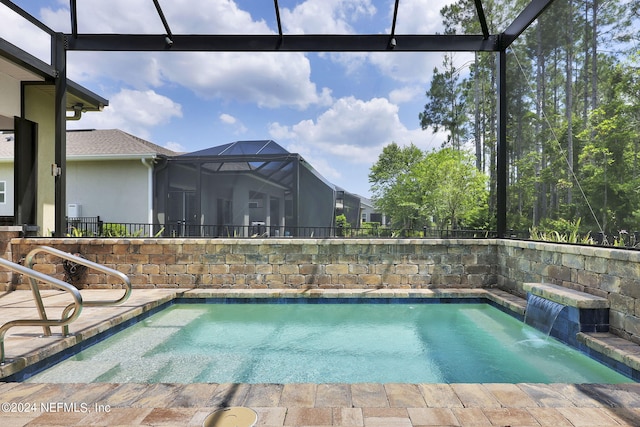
(30, 261)
(35, 276)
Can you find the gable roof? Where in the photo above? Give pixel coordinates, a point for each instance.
(98, 143)
(110, 142)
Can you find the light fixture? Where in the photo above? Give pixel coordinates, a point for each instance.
(392, 43)
(168, 41)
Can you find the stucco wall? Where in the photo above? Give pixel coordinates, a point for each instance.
(117, 190)
(6, 175)
(39, 107)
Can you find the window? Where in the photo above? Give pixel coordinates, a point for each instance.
(3, 192)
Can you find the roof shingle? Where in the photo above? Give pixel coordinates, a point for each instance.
(101, 142)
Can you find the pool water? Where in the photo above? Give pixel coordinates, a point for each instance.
(330, 343)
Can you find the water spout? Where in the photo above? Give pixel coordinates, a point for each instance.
(541, 313)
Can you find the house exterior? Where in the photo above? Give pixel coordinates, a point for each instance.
(368, 212)
(109, 174)
(7, 193)
(36, 100)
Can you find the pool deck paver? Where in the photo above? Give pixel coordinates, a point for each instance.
(333, 395)
(308, 405)
(278, 405)
(475, 396)
(369, 394)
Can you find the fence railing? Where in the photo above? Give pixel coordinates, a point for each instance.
(95, 227)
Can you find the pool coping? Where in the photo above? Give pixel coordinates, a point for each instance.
(617, 353)
(566, 296)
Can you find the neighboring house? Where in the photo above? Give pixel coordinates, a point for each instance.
(109, 174)
(241, 188)
(349, 205)
(6, 175)
(246, 188)
(368, 212)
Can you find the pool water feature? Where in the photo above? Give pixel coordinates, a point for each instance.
(541, 313)
(330, 343)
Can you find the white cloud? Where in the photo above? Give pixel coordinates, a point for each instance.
(183, 16)
(414, 17)
(419, 16)
(352, 129)
(22, 33)
(227, 118)
(132, 111)
(175, 146)
(405, 94)
(281, 132)
(325, 16)
(268, 80)
(230, 120)
(141, 70)
(211, 17)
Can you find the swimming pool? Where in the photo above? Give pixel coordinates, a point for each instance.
(330, 343)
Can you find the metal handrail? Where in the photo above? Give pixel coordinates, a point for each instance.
(43, 321)
(29, 261)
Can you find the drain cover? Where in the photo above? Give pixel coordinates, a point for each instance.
(236, 416)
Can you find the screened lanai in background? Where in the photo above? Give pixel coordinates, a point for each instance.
(244, 189)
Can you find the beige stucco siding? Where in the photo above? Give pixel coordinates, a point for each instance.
(40, 108)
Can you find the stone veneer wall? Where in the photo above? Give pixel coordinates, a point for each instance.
(358, 263)
(278, 263)
(606, 272)
(7, 234)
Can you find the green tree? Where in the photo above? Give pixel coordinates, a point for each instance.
(388, 186)
(452, 188)
(445, 109)
(442, 187)
(573, 114)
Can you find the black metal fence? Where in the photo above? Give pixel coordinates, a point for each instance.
(95, 227)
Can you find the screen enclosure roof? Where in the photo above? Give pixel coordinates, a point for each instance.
(83, 37)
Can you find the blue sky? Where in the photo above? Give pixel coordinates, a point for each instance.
(337, 110)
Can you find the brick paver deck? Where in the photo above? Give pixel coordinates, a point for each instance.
(307, 405)
(388, 405)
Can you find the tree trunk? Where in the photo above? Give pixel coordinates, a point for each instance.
(569, 98)
(586, 70)
(539, 206)
(594, 56)
(477, 117)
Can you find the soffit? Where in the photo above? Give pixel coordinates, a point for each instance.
(17, 72)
